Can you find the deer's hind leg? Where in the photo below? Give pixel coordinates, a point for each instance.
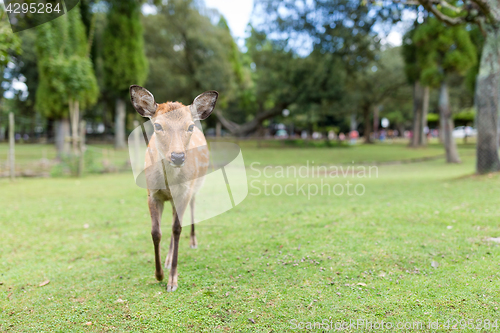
(192, 241)
(168, 260)
(155, 210)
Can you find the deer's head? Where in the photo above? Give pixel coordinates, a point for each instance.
(174, 123)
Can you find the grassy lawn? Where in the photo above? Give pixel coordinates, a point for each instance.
(28, 154)
(413, 248)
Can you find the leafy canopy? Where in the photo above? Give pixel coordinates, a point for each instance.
(443, 50)
(65, 70)
(125, 62)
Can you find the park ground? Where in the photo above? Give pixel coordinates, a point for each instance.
(415, 247)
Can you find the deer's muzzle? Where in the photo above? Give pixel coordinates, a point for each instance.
(177, 159)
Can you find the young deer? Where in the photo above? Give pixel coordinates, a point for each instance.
(177, 154)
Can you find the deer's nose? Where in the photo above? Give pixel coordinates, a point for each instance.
(178, 158)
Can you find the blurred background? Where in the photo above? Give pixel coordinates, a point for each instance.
(290, 74)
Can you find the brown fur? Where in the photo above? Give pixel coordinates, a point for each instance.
(167, 107)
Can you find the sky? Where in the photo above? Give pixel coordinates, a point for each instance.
(237, 14)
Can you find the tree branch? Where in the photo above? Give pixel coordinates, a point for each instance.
(429, 6)
(252, 125)
(486, 9)
(445, 3)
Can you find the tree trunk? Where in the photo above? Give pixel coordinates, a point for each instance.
(12, 143)
(120, 124)
(441, 130)
(50, 130)
(218, 129)
(367, 124)
(74, 112)
(423, 123)
(353, 123)
(417, 114)
(376, 120)
(61, 133)
(487, 104)
(81, 145)
(445, 114)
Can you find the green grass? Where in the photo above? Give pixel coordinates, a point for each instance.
(358, 257)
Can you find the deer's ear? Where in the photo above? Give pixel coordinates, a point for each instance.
(204, 104)
(143, 101)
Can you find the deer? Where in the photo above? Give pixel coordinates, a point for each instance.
(177, 154)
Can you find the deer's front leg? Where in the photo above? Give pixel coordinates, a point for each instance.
(176, 234)
(155, 210)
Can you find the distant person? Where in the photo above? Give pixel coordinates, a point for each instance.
(353, 136)
(382, 135)
(331, 135)
(467, 133)
(341, 136)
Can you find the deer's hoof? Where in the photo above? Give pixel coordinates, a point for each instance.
(159, 276)
(171, 288)
(193, 246)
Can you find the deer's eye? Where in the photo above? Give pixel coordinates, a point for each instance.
(190, 128)
(158, 127)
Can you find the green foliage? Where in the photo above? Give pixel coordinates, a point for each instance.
(188, 54)
(432, 117)
(382, 84)
(282, 79)
(467, 115)
(65, 70)
(125, 62)
(443, 50)
(341, 27)
(477, 39)
(410, 55)
(334, 79)
(9, 42)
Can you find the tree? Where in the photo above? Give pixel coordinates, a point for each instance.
(442, 51)
(9, 42)
(125, 62)
(341, 27)
(10, 45)
(411, 55)
(338, 35)
(66, 76)
(189, 54)
(371, 87)
(485, 14)
(282, 79)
